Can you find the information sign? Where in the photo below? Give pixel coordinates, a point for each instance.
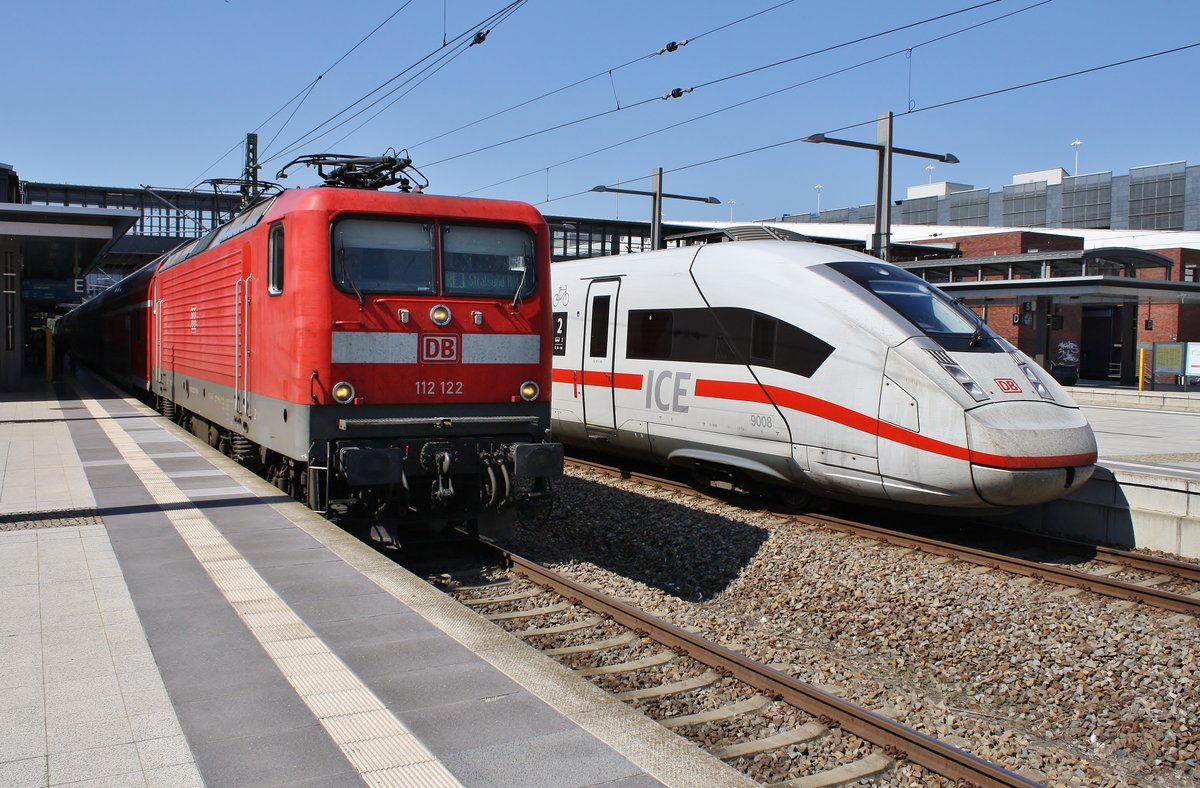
(1168, 358)
(1192, 370)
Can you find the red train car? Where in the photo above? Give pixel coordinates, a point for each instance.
(384, 354)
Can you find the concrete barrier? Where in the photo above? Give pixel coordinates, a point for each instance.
(1127, 509)
(1184, 401)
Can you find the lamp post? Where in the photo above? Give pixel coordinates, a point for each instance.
(1076, 145)
(929, 168)
(731, 204)
(657, 197)
(818, 187)
(882, 238)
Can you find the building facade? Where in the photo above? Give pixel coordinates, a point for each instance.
(1159, 197)
(1081, 312)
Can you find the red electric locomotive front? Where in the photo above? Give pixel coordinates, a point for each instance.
(376, 354)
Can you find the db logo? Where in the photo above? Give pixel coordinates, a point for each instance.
(439, 348)
(1008, 385)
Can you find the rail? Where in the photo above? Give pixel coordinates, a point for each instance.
(897, 740)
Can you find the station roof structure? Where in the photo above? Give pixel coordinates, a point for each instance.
(61, 242)
(1104, 270)
(1087, 289)
(1102, 274)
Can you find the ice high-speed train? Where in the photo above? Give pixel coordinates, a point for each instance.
(807, 368)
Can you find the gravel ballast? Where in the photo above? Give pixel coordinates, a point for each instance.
(1064, 687)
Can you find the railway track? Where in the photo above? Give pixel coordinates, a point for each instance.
(1137, 578)
(1146, 590)
(733, 706)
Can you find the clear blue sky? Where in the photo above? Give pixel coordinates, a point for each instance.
(129, 92)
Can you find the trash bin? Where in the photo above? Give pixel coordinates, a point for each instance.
(1065, 374)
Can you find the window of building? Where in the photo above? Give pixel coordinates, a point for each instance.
(1087, 201)
(969, 209)
(922, 210)
(1156, 197)
(1025, 204)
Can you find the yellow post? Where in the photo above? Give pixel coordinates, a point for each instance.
(1141, 369)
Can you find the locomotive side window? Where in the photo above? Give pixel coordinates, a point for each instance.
(762, 338)
(598, 341)
(650, 333)
(723, 335)
(382, 256)
(275, 260)
(487, 261)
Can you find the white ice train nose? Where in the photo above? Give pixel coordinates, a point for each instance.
(1026, 453)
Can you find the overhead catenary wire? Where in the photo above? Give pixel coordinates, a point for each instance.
(672, 47)
(321, 76)
(833, 47)
(440, 63)
(770, 94)
(872, 121)
(303, 92)
(457, 47)
(678, 92)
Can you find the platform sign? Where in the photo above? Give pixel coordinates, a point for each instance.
(1168, 358)
(560, 333)
(48, 291)
(1192, 368)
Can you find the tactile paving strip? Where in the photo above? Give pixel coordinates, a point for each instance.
(380, 747)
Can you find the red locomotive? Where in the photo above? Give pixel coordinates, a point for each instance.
(382, 354)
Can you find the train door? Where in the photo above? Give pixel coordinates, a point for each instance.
(599, 356)
(241, 346)
(158, 372)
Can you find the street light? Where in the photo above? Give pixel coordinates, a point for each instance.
(929, 168)
(818, 187)
(881, 240)
(731, 204)
(657, 197)
(1076, 145)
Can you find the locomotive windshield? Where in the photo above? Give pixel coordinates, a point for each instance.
(386, 256)
(952, 325)
(379, 256)
(487, 261)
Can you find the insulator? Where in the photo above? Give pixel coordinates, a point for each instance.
(673, 46)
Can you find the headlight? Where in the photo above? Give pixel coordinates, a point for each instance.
(440, 314)
(1036, 382)
(966, 381)
(343, 392)
(529, 391)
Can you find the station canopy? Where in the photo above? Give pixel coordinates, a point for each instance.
(60, 242)
(1103, 275)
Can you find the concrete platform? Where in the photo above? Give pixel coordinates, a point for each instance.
(171, 620)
